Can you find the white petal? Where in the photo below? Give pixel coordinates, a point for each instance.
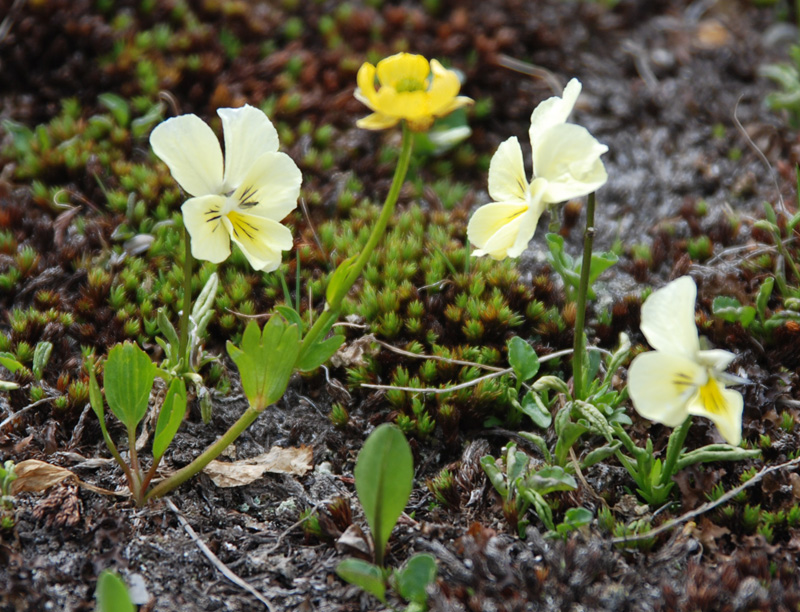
(568, 156)
(723, 406)
(507, 180)
(191, 151)
(260, 239)
(717, 359)
(660, 385)
(203, 220)
(668, 318)
(494, 227)
(529, 221)
(553, 111)
(271, 187)
(248, 135)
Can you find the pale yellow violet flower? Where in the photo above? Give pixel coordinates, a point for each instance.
(566, 165)
(246, 199)
(410, 88)
(678, 379)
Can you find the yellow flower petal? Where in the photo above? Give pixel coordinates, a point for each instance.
(366, 85)
(260, 239)
(668, 318)
(403, 71)
(377, 121)
(271, 187)
(443, 90)
(202, 218)
(723, 406)
(248, 134)
(660, 386)
(192, 152)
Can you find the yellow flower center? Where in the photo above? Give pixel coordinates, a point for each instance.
(711, 397)
(409, 84)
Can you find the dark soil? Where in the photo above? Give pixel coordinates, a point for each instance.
(671, 87)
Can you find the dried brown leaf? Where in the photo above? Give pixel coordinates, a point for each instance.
(295, 461)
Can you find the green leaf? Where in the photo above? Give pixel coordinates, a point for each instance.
(170, 417)
(533, 406)
(128, 380)
(167, 330)
(729, 309)
(764, 293)
(205, 301)
(414, 577)
(495, 475)
(41, 355)
(600, 262)
(9, 362)
(291, 315)
(384, 474)
(575, 518)
(266, 360)
(549, 479)
(118, 106)
(365, 575)
(338, 278)
(112, 594)
(320, 353)
(522, 359)
(142, 125)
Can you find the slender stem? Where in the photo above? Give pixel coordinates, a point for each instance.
(136, 469)
(674, 448)
(187, 300)
(212, 452)
(583, 288)
(354, 272)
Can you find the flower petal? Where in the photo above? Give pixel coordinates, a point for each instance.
(191, 151)
(260, 239)
(668, 318)
(248, 135)
(568, 156)
(723, 406)
(529, 221)
(366, 85)
(443, 90)
(717, 359)
(507, 180)
(397, 68)
(271, 187)
(660, 386)
(377, 121)
(494, 228)
(553, 111)
(202, 218)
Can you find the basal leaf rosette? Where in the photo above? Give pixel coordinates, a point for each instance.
(243, 199)
(410, 89)
(566, 165)
(678, 379)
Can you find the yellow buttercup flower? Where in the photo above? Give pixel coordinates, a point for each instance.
(410, 89)
(678, 379)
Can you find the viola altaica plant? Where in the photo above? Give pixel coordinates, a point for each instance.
(678, 379)
(566, 165)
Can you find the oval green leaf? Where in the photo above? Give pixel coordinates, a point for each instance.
(128, 380)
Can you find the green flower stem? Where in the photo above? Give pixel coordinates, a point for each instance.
(211, 453)
(674, 450)
(136, 469)
(583, 288)
(336, 300)
(187, 300)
